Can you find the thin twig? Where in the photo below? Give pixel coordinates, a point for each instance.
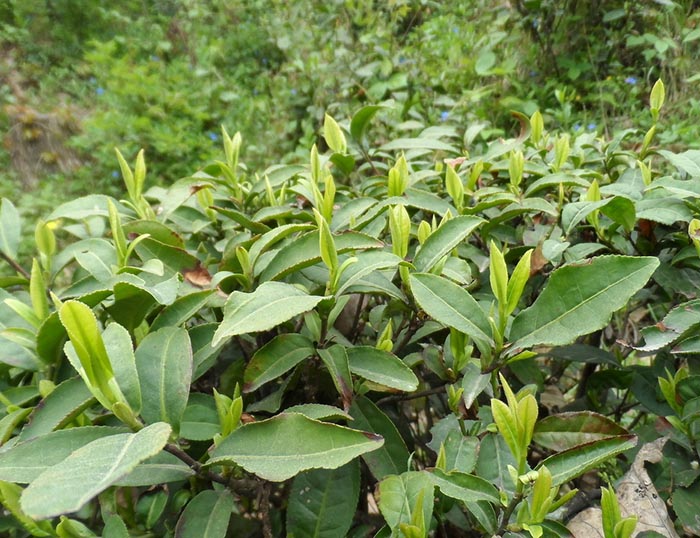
(411, 396)
(265, 511)
(17, 267)
(195, 465)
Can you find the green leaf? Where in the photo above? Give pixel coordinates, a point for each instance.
(571, 463)
(121, 356)
(567, 430)
(678, 323)
(580, 299)
(322, 502)
(319, 412)
(398, 496)
(443, 240)
(276, 358)
(464, 487)
(687, 161)
(283, 446)
(9, 497)
(392, 457)
(493, 461)
(114, 527)
(65, 402)
(305, 251)
(200, 422)
(452, 306)
(333, 135)
(184, 308)
(68, 485)
(10, 229)
(381, 367)
(405, 144)
(271, 304)
(361, 119)
(164, 364)
(159, 469)
(336, 360)
(460, 452)
(25, 461)
(94, 365)
(368, 262)
(206, 516)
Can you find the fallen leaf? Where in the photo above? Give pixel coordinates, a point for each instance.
(637, 496)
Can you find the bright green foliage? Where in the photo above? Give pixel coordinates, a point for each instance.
(284, 347)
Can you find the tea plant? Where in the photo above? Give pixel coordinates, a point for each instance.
(402, 340)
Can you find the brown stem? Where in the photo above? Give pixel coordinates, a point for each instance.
(265, 511)
(411, 396)
(17, 267)
(195, 465)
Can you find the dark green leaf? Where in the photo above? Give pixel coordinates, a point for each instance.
(283, 446)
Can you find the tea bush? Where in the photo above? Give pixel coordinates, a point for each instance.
(417, 337)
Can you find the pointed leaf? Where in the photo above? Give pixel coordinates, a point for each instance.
(571, 463)
(88, 471)
(271, 304)
(567, 430)
(10, 227)
(452, 306)
(181, 310)
(65, 402)
(580, 299)
(392, 457)
(336, 360)
(275, 359)
(381, 367)
(206, 516)
(398, 496)
(25, 461)
(443, 240)
(322, 502)
(164, 364)
(464, 487)
(283, 446)
(305, 251)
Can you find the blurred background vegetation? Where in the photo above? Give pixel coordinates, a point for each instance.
(80, 77)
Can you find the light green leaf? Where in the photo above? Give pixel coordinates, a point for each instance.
(381, 367)
(164, 364)
(443, 240)
(464, 487)
(68, 485)
(319, 412)
(25, 461)
(121, 356)
(276, 358)
(418, 143)
(322, 502)
(398, 496)
(10, 228)
(571, 463)
(206, 516)
(333, 135)
(305, 251)
(271, 304)
(452, 306)
(283, 446)
(9, 497)
(159, 469)
(94, 365)
(579, 299)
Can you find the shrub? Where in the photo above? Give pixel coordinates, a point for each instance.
(442, 336)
